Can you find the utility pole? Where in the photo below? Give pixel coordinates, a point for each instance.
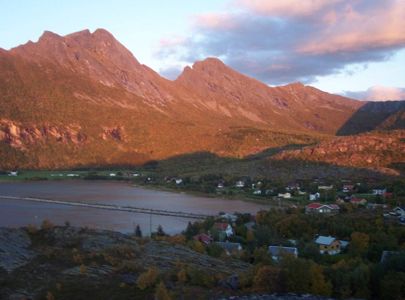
(150, 225)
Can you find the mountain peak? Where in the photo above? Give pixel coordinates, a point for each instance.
(209, 63)
(49, 36)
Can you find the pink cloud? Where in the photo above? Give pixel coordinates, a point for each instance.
(349, 29)
(379, 93)
(295, 40)
(287, 7)
(383, 93)
(214, 20)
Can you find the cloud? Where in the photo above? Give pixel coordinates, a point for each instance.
(294, 40)
(378, 93)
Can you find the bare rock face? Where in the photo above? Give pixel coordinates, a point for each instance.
(14, 249)
(114, 133)
(20, 135)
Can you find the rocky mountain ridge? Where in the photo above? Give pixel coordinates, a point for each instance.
(87, 100)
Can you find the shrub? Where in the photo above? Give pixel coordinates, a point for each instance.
(161, 292)
(47, 225)
(148, 278)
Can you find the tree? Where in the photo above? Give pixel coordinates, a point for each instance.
(319, 285)
(160, 231)
(393, 286)
(138, 232)
(161, 292)
(359, 243)
(267, 279)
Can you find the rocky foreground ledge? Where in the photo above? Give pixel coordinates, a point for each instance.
(77, 263)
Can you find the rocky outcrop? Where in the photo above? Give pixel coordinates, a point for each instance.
(115, 133)
(20, 136)
(375, 151)
(14, 249)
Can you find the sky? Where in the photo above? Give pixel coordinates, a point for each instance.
(350, 47)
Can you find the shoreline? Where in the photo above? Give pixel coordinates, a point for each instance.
(240, 197)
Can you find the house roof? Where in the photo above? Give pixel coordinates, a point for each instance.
(325, 240)
(355, 200)
(277, 250)
(229, 246)
(205, 238)
(314, 205)
(386, 255)
(221, 226)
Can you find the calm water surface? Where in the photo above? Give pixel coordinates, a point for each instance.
(14, 213)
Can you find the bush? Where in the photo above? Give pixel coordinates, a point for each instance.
(148, 278)
(47, 225)
(161, 292)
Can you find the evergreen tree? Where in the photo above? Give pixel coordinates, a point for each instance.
(138, 232)
(160, 231)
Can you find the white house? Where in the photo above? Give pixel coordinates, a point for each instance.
(285, 195)
(380, 192)
(13, 173)
(277, 252)
(322, 208)
(325, 187)
(240, 184)
(314, 197)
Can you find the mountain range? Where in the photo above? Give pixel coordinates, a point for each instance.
(84, 100)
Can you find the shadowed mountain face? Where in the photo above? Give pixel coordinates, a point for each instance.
(387, 115)
(83, 99)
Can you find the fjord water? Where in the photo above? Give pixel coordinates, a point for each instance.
(15, 213)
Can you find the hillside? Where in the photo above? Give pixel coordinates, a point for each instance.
(84, 100)
(388, 115)
(378, 151)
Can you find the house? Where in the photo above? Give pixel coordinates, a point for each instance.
(178, 181)
(388, 195)
(380, 191)
(358, 201)
(344, 244)
(278, 252)
(322, 208)
(225, 228)
(250, 225)
(228, 216)
(13, 173)
(240, 184)
(229, 247)
(203, 238)
(399, 211)
(314, 197)
(292, 187)
(328, 245)
(325, 187)
(377, 206)
(347, 188)
(285, 195)
(387, 255)
(257, 192)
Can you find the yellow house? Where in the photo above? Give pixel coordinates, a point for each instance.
(328, 245)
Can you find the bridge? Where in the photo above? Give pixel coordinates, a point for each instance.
(132, 209)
